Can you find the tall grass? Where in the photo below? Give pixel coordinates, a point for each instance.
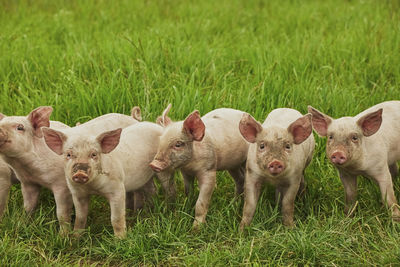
(87, 58)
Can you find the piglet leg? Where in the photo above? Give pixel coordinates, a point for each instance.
(350, 189)
(30, 193)
(238, 177)
(117, 205)
(388, 197)
(207, 181)
(81, 204)
(288, 196)
(252, 189)
(64, 204)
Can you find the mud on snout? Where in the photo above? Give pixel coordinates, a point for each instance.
(80, 173)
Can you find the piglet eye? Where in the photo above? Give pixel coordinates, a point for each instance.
(354, 138)
(20, 127)
(262, 146)
(179, 144)
(330, 137)
(68, 156)
(93, 155)
(287, 146)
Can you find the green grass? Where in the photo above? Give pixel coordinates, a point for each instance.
(87, 58)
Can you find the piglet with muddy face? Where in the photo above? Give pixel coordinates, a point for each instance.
(109, 164)
(199, 147)
(367, 144)
(281, 148)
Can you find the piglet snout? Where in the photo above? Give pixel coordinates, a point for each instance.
(157, 165)
(338, 158)
(80, 177)
(276, 167)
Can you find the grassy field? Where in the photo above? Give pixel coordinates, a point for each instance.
(87, 58)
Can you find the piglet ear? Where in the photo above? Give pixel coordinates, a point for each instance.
(40, 117)
(371, 122)
(301, 129)
(2, 116)
(54, 139)
(109, 140)
(194, 127)
(164, 120)
(249, 127)
(320, 121)
(136, 113)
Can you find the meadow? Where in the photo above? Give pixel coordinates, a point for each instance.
(87, 58)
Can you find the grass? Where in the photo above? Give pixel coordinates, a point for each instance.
(87, 58)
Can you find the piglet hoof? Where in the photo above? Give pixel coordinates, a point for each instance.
(242, 226)
(120, 234)
(289, 224)
(197, 225)
(77, 233)
(349, 210)
(396, 217)
(63, 232)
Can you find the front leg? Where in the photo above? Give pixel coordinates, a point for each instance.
(30, 193)
(207, 181)
(81, 203)
(349, 182)
(188, 180)
(384, 181)
(138, 199)
(252, 189)
(288, 196)
(238, 177)
(64, 204)
(117, 205)
(394, 170)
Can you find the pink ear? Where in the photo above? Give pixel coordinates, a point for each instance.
(164, 120)
(301, 129)
(40, 117)
(371, 122)
(249, 127)
(109, 140)
(2, 116)
(54, 139)
(136, 113)
(320, 121)
(194, 126)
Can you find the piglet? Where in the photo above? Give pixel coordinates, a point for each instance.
(23, 148)
(108, 164)
(281, 148)
(200, 147)
(368, 145)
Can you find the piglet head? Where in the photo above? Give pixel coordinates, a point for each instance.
(176, 143)
(274, 146)
(82, 154)
(345, 135)
(18, 133)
